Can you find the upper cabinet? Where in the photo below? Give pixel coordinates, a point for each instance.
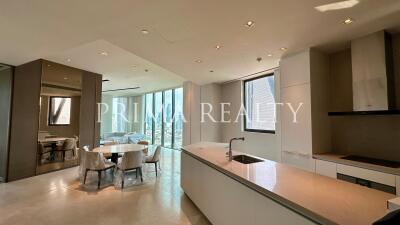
(295, 69)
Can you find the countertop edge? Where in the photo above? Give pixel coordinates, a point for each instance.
(335, 158)
(314, 217)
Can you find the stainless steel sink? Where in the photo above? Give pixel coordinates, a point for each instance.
(245, 159)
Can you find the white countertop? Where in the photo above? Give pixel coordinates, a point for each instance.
(310, 194)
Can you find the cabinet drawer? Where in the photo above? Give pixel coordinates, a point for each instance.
(375, 176)
(325, 168)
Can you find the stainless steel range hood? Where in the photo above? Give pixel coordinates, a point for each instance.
(373, 76)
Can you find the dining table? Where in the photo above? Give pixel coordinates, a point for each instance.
(115, 150)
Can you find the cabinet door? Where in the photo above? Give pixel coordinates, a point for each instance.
(398, 185)
(375, 176)
(295, 69)
(296, 127)
(325, 168)
(299, 160)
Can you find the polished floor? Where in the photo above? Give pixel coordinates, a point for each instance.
(59, 198)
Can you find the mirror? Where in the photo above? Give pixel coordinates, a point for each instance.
(58, 134)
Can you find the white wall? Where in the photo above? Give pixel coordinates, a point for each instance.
(211, 97)
(259, 144)
(194, 130)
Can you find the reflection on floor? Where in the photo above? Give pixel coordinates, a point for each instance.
(48, 164)
(59, 198)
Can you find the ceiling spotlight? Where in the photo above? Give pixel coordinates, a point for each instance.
(249, 24)
(218, 47)
(68, 60)
(259, 59)
(146, 70)
(337, 5)
(348, 21)
(283, 49)
(104, 53)
(199, 61)
(144, 31)
(211, 71)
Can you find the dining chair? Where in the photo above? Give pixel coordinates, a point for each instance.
(131, 161)
(142, 142)
(94, 161)
(69, 145)
(42, 149)
(155, 158)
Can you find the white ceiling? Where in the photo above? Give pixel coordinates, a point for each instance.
(181, 32)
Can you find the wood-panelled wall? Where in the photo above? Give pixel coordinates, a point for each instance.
(6, 77)
(89, 131)
(25, 120)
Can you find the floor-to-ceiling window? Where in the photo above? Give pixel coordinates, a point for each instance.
(158, 118)
(164, 118)
(178, 117)
(168, 113)
(148, 122)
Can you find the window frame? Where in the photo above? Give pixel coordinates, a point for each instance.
(50, 111)
(244, 104)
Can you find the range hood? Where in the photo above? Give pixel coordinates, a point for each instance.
(373, 76)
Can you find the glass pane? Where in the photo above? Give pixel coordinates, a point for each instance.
(60, 111)
(168, 118)
(158, 118)
(260, 104)
(148, 126)
(119, 117)
(178, 117)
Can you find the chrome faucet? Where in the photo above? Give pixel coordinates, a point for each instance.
(229, 153)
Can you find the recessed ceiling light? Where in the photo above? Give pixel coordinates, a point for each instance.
(337, 5)
(249, 23)
(68, 60)
(283, 49)
(144, 31)
(65, 78)
(218, 47)
(199, 61)
(348, 21)
(269, 55)
(104, 53)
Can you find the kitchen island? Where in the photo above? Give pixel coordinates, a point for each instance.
(229, 192)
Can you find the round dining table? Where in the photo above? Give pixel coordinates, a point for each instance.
(120, 148)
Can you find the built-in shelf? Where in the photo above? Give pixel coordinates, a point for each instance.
(365, 113)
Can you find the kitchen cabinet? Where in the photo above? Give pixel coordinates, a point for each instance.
(305, 126)
(225, 201)
(325, 168)
(371, 175)
(295, 69)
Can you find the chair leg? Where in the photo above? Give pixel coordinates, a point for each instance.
(136, 171)
(98, 182)
(155, 165)
(63, 156)
(84, 179)
(123, 179)
(141, 174)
